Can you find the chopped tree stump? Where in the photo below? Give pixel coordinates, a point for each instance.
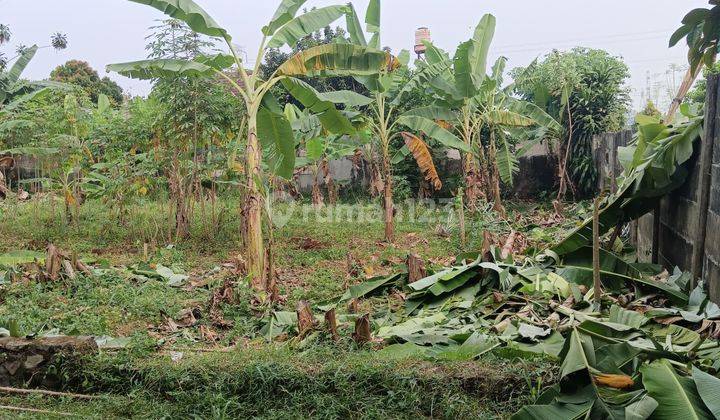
(416, 268)
(509, 244)
(559, 209)
(354, 306)
(306, 320)
(331, 323)
(26, 362)
(362, 333)
(53, 262)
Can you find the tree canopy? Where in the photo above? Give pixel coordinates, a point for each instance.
(79, 73)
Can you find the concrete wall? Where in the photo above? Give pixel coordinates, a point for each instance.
(711, 263)
(536, 174)
(605, 157)
(684, 230)
(679, 214)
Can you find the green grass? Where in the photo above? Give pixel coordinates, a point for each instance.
(279, 382)
(264, 380)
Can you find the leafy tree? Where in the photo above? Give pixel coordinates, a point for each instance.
(583, 89)
(76, 72)
(651, 110)
(268, 130)
(196, 114)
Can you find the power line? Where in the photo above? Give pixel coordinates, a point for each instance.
(578, 43)
(571, 41)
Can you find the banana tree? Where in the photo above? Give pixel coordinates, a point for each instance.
(471, 105)
(13, 91)
(500, 118)
(320, 148)
(269, 133)
(387, 123)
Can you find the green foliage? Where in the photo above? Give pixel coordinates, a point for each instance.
(651, 110)
(274, 57)
(699, 91)
(591, 83)
(700, 30)
(79, 73)
(654, 164)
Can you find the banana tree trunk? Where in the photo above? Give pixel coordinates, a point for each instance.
(252, 211)
(329, 183)
(317, 195)
(376, 182)
(495, 182)
(564, 159)
(388, 205)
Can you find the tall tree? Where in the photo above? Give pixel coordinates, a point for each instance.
(585, 91)
(388, 90)
(195, 110)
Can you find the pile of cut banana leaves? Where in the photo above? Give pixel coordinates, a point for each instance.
(650, 351)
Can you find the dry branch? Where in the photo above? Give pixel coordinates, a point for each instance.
(9, 390)
(35, 410)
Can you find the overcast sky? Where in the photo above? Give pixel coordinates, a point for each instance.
(107, 31)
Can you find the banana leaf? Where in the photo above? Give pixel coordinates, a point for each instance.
(278, 142)
(372, 17)
(305, 24)
(654, 166)
(284, 14)
(463, 71)
(335, 60)
(708, 387)
(479, 48)
(13, 75)
(354, 28)
(154, 69)
(677, 395)
(431, 129)
(191, 13)
(323, 105)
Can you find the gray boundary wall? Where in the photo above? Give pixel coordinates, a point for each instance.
(684, 230)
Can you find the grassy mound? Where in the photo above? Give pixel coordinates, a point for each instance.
(322, 382)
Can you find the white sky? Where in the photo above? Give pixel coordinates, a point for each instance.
(108, 31)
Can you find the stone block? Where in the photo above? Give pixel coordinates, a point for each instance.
(25, 362)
